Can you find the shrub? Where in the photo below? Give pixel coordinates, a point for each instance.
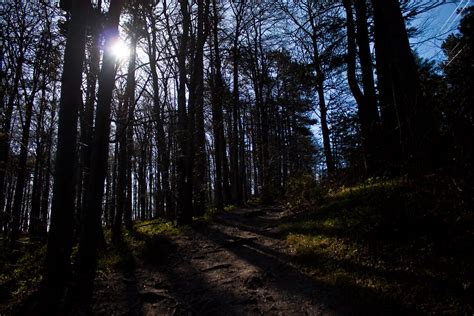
(304, 191)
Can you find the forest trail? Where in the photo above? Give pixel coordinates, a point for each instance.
(236, 264)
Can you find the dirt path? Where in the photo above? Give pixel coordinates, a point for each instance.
(235, 265)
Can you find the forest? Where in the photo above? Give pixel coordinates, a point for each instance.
(241, 157)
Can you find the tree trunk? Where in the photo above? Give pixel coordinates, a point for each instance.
(57, 264)
(87, 118)
(6, 126)
(197, 84)
(91, 230)
(125, 122)
(403, 113)
(217, 114)
(370, 98)
(321, 96)
(355, 89)
(184, 186)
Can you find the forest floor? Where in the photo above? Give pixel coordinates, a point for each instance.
(235, 264)
(381, 248)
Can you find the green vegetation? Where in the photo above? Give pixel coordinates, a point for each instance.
(304, 192)
(147, 241)
(156, 227)
(212, 212)
(391, 242)
(19, 279)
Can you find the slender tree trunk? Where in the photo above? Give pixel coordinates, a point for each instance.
(35, 221)
(355, 89)
(217, 114)
(184, 188)
(6, 126)
(87, 118)
(322, 99)
(370, 98)
(234, 142)
(200, 163)
(126, 113)
(22, 171)
(47, 182)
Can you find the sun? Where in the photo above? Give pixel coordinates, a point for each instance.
(120, 50)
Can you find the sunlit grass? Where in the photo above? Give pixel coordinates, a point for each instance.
(156, 227)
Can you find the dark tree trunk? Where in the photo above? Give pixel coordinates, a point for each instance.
(6, 126)
(87, 118)
(403, 115)
(124, 123)
(197, 84)
(234, 141)
(57, 264)
(366, 123)
(370, 98)
(184, 185)
(22, 168)
(91, 231)
(322, 98)
(217, 113)
(164, 199)
(35, 220)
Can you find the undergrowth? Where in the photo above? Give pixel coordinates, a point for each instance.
(388, 241)
(146, 241)
(212, 212)
(21, 277)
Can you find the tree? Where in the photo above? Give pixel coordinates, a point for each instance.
(366, 101)
(185, 124)
(57, 264)
(305, 15)
(405, 119)
(91, 227)
(456, 109)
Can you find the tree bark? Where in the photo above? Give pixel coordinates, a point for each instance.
(370, 97)
(184, 181)
(197, 85)
(92, 228)
(57, 263)
(403, 113)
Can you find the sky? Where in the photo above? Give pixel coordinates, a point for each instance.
(437, 25)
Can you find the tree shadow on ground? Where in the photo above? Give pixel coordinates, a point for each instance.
(286, 277)
(403, 273)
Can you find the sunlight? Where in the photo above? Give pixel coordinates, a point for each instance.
(120, 50)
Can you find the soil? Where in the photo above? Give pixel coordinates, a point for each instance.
(236, 264)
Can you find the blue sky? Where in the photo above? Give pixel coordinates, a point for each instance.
(437, 25)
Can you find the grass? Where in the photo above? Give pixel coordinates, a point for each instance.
(212, 212)
(19, 278)
(390, 242)
(22, 276)
(147, 241)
